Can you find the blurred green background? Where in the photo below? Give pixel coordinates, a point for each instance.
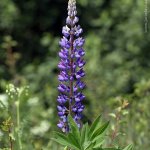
(118, 65)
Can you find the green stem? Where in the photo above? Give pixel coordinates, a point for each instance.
(18, 124)
(10, 140)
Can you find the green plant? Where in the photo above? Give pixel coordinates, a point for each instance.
(12, 125)
(7, 126)
(87, 138)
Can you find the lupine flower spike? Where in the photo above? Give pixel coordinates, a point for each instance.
(71, 70)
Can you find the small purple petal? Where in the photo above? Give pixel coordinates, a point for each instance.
(79, 53)
(64, 43)
(63, 54)
(80, 74)
(63, 88)
(80, 84)
(79, 97)
(60, 125)
(76, 19)
(78, 30)
(59, 108)
(63, 76)
(62, 99)
(75, 89)
(61, 113)
(71, 78)
(81, 63)
(66, 31)
(79, 42)
(68, 20)
(64, 118)
(62, 66)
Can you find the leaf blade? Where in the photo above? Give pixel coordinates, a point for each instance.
(129, 147)
(63, 140)
(94, 125)
(99, 131)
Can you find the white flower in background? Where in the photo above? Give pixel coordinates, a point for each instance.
(41, 129)
(33, 101)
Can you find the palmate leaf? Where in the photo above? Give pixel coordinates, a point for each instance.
(93, 134)
(88, 138)
(64, 140)
(60, 138)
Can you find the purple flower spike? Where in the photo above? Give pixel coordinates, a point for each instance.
(71, 70)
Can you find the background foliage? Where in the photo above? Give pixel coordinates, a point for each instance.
(117, 54)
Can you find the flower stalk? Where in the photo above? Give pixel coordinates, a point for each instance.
(71, 70)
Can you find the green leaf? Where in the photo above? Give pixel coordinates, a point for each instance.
(106, 149)
(63, 140)
(84, 136)
(111, 149)
(71, 121)
(66, 148)
(129, 147)
(89, 145)
(99, 141)
(99, 131)
(94, 125)
(74, 130)
(87, 133)
(72, 139)
(60, 138)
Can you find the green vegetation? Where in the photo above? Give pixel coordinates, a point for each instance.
(88, 138)
(117, 55)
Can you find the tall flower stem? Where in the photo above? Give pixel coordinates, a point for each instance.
(71, 70)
